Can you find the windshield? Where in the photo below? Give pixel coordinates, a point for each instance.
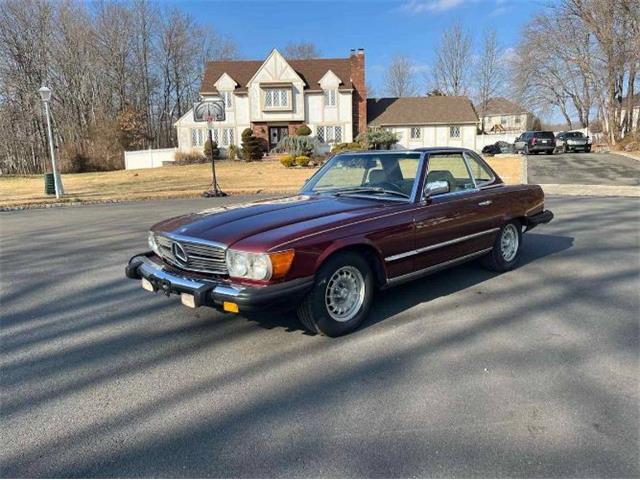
(544, 135)
(575, 135)
(388, 174)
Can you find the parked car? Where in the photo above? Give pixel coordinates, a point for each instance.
(498, 147)
(573, 142)
(364, 221)
(536, 142)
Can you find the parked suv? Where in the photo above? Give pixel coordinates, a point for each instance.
(573, 142)
(535, 142)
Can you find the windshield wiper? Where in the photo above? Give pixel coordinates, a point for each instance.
(370, 190)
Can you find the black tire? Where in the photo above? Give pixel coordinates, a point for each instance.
(496, 260)
(313, 312)
(565, 149)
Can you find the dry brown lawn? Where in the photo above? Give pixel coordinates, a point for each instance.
(509, 167)
(182, 181)
(166, 182)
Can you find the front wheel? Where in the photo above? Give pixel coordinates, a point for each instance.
(506, 248)
(341, 296)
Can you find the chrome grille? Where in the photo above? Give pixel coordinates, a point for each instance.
(201, 257)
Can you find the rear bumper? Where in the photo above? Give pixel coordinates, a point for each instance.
(213, 293)
(584, 146)
(542, 148)
(534, 220)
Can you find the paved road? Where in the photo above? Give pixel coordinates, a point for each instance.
(584, 169)
(533, 373)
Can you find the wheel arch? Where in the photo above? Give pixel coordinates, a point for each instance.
(367, 250)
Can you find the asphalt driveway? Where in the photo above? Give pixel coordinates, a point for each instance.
(583, 169)
(532, 373)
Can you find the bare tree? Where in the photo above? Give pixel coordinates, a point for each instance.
(565, 79)
(453, 62)
(613, 25)
(399, 79)
(114, 70)
(489, 71)
(301, 51)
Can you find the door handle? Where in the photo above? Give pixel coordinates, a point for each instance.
(486, 203)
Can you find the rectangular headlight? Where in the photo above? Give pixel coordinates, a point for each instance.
(258, 266)
(153, 244)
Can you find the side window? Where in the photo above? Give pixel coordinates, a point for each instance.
(479, 171)
(451, 168)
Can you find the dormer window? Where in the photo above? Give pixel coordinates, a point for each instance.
(330, 98)
(227, 99)
(277, 98)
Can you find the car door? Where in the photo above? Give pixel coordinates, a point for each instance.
(522, 141)
(455, 224)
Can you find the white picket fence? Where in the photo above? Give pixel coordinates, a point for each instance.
(148, 158)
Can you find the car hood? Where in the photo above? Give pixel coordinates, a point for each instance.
(270, 222)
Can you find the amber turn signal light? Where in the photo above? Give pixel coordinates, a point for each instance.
(281, 263)
(230, 307)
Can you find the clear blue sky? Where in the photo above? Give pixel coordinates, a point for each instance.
(382, 28)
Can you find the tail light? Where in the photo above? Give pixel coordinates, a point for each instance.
(533, 140)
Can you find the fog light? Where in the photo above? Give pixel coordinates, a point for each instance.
(230, 307)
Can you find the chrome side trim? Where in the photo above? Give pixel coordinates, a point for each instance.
(439, 245)
(434, 268)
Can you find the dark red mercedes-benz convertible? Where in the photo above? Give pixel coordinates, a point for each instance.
(365, 221)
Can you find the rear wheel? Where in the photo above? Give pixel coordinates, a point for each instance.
(506, 248)
(341, 297)
(526, 149)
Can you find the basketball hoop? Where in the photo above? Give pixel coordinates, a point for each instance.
(210, 111)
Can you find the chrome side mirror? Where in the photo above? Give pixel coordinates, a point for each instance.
(436, 188)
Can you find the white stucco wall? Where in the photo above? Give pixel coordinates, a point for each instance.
(511, 122)
(436, 136)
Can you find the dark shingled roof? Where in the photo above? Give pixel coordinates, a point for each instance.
(502, 106)
(420, 111)
(311, 71)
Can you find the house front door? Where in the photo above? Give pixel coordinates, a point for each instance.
(276, 134)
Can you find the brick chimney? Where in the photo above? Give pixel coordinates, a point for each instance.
(359, 97)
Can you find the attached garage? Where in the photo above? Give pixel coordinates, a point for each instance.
(426, 121)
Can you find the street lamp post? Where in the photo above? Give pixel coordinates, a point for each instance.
(45, 94)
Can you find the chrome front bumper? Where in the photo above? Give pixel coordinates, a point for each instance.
(213, 293)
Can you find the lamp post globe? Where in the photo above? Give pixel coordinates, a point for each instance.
(45, 95)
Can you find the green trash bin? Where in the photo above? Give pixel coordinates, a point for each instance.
(49, 184)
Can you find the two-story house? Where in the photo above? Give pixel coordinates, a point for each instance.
(275, 96)
(501, 115)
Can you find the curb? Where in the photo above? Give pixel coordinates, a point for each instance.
(591, 190)
(84, 203)
(626, 154)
